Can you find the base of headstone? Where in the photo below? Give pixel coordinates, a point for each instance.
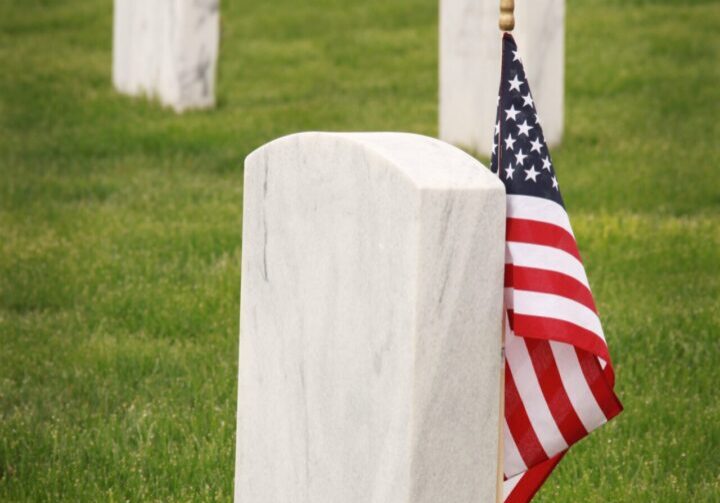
(470, 67)
(370, 340)
(167, 49)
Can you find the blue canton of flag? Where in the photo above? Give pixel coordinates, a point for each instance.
(519, 147)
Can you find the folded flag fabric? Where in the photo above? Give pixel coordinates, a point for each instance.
(558, 375)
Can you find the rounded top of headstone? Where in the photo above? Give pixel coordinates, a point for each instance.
(428, 163)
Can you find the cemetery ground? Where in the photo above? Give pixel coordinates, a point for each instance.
(120, 234)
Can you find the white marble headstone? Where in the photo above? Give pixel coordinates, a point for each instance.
(370, 340)
(167, 49)
(470, 67)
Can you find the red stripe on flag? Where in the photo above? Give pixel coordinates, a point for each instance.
(601, 389)
(541, 233)
(542, 280)
(518, 421)
(540, 327)
(532, 480)
(511, 318)
(610, 375)
(561, 408)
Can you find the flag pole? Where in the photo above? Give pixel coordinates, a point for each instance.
(506, 23)
(501, 421)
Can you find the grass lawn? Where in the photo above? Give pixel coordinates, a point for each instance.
(120, 227)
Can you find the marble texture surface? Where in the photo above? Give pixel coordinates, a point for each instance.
(372, 279)
(470, 67)
(167, 49)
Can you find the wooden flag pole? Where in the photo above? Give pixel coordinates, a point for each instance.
(506, 22)
(501, 422)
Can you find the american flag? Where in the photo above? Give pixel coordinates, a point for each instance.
(558, 375)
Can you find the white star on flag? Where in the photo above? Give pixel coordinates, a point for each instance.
(531, 173)
(515, 84)
(509, 171)
(524, 128)
(535, 145)
(511, 113)
(509, 142)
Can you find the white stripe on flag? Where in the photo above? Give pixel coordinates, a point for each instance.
(538, 209)
(545, 257)
(513, 461)
(510, 484)
(548, 305)
(576, 386)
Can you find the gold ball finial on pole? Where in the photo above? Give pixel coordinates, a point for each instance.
(507, 15)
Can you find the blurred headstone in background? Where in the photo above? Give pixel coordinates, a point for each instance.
(470, 67)
(167, 49)
(372, 285)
